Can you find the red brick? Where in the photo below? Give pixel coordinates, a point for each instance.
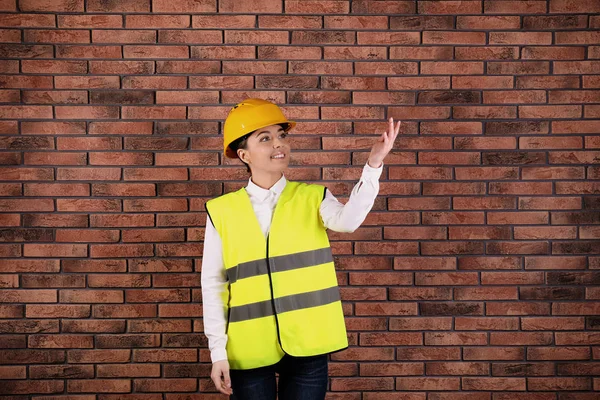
(323, 37)
(87, 236)
(128, 370)
(30, 387)
(55, 250)
(91, 296)
(123, 97)
(438, 248)
(449, 7)
(86, 112)
(154, 112)
(451, 68)
(10, 220)
(116, 158)
(52, 281)
(125, 311)
(124, 36)
(488, 22)
(81, 51)
(121, 6)
(60, 341)
(189, 67)
(57, 36)
(379, 38)
(430, 383)
(24, 82)
(421, 53)
(120, 128)
(59, 371)
(90, 21)
(13, 372)
(550, 143)
(366, 354)
(99, 386)
(179, 310)
(515, 7)
(179, 249)
(449, 37)
(91, 174)
(51, 5)
(120, 250)
(419, 112)
(86, 82)
(57, 311)
(88, 205)
(121, 67)
(267, 21)
(55, 97)
(30, 265)
(157, 21)
(155, 51)
(25, 20)
(94, 326)
(549, 203)
(553, 173)
(518, 248)
(494, 384)
(186, 97)
(194, 6)
(576, 67)
(28, 296)
(55, 158)
(10, 96)
(121, 220)
(26, 112)
(161, 325)
(98, 356)
(123, 190)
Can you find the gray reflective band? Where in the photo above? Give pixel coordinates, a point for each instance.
(284, 304)
(247, 270)
(279, 264)
(301, 260)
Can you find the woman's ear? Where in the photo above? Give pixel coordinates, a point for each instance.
(243, 155)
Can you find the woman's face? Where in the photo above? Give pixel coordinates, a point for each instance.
(267, 150)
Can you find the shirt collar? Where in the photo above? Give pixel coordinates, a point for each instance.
(261, 194)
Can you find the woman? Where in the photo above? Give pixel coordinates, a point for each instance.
(270, 295)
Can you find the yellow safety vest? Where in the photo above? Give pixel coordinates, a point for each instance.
(283, 293)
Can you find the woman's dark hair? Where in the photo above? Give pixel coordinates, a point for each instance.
(242, 143)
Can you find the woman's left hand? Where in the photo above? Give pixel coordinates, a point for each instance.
(384, 144)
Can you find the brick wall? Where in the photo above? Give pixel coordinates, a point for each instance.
(475, 276)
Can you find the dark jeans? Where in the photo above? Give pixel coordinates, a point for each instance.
(300, 378)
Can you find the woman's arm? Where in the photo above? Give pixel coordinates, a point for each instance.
(215, 288)
(347, 218)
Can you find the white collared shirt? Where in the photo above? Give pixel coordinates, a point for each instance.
(335, 215)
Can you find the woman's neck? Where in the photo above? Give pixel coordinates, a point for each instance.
(266, 180)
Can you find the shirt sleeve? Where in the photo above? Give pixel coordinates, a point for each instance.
(215, 288)
(347, 218)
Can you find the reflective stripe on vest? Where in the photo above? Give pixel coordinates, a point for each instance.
(278, 264)
(282, 295)
(284, 304)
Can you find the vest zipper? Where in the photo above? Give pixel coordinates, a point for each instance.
(273, 296)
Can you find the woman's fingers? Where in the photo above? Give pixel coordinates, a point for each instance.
(220, 377)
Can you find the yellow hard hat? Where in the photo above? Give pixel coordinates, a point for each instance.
(248, 116)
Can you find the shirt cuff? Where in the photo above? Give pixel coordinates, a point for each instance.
(372, 173)
(218, 355)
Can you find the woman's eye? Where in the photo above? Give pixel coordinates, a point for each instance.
(264, 139)
(283, 135)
